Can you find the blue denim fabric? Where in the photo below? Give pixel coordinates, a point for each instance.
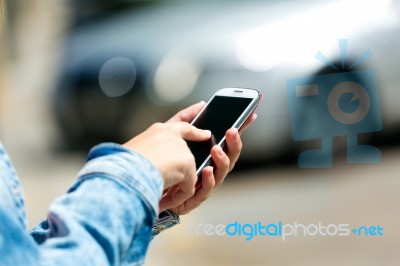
(105, 218)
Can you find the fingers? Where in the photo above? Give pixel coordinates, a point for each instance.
(234, 145)
(183, 197)
(222, 163)
(202, 194)
(189, 132)
(207, 186)
(165, 203)
(247, 123)
(212, 176)
(179, 193)
(188, 114)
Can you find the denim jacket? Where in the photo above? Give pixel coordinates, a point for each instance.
(105, 218)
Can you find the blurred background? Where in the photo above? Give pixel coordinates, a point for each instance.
(75, 73)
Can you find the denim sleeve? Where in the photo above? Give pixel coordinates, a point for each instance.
(107, 216)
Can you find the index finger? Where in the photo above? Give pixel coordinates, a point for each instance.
(188, 114)
(190, 132)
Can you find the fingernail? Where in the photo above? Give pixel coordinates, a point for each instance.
(236, 135)
(208, 132)
(220, 151)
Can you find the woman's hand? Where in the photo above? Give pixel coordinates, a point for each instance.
(163, 144)
(224, 162)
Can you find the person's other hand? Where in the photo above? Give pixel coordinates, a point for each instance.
(224, 162)
(163, 144)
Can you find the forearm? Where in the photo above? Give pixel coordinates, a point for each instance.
(107, 216)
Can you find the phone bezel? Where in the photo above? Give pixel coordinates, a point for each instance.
(231, 92)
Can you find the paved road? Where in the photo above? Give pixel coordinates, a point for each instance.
(356, 195)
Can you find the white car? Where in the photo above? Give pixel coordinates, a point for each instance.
(131, 68)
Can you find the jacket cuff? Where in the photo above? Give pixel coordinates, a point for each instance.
(126, 167)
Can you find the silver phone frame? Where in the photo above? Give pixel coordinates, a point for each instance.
(231, 92)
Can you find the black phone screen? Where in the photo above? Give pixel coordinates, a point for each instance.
(220, 115)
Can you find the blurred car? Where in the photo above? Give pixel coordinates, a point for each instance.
(140, 63)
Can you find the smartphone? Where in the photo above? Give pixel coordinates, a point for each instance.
(227, 108)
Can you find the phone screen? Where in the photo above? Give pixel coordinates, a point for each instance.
(220, 115)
